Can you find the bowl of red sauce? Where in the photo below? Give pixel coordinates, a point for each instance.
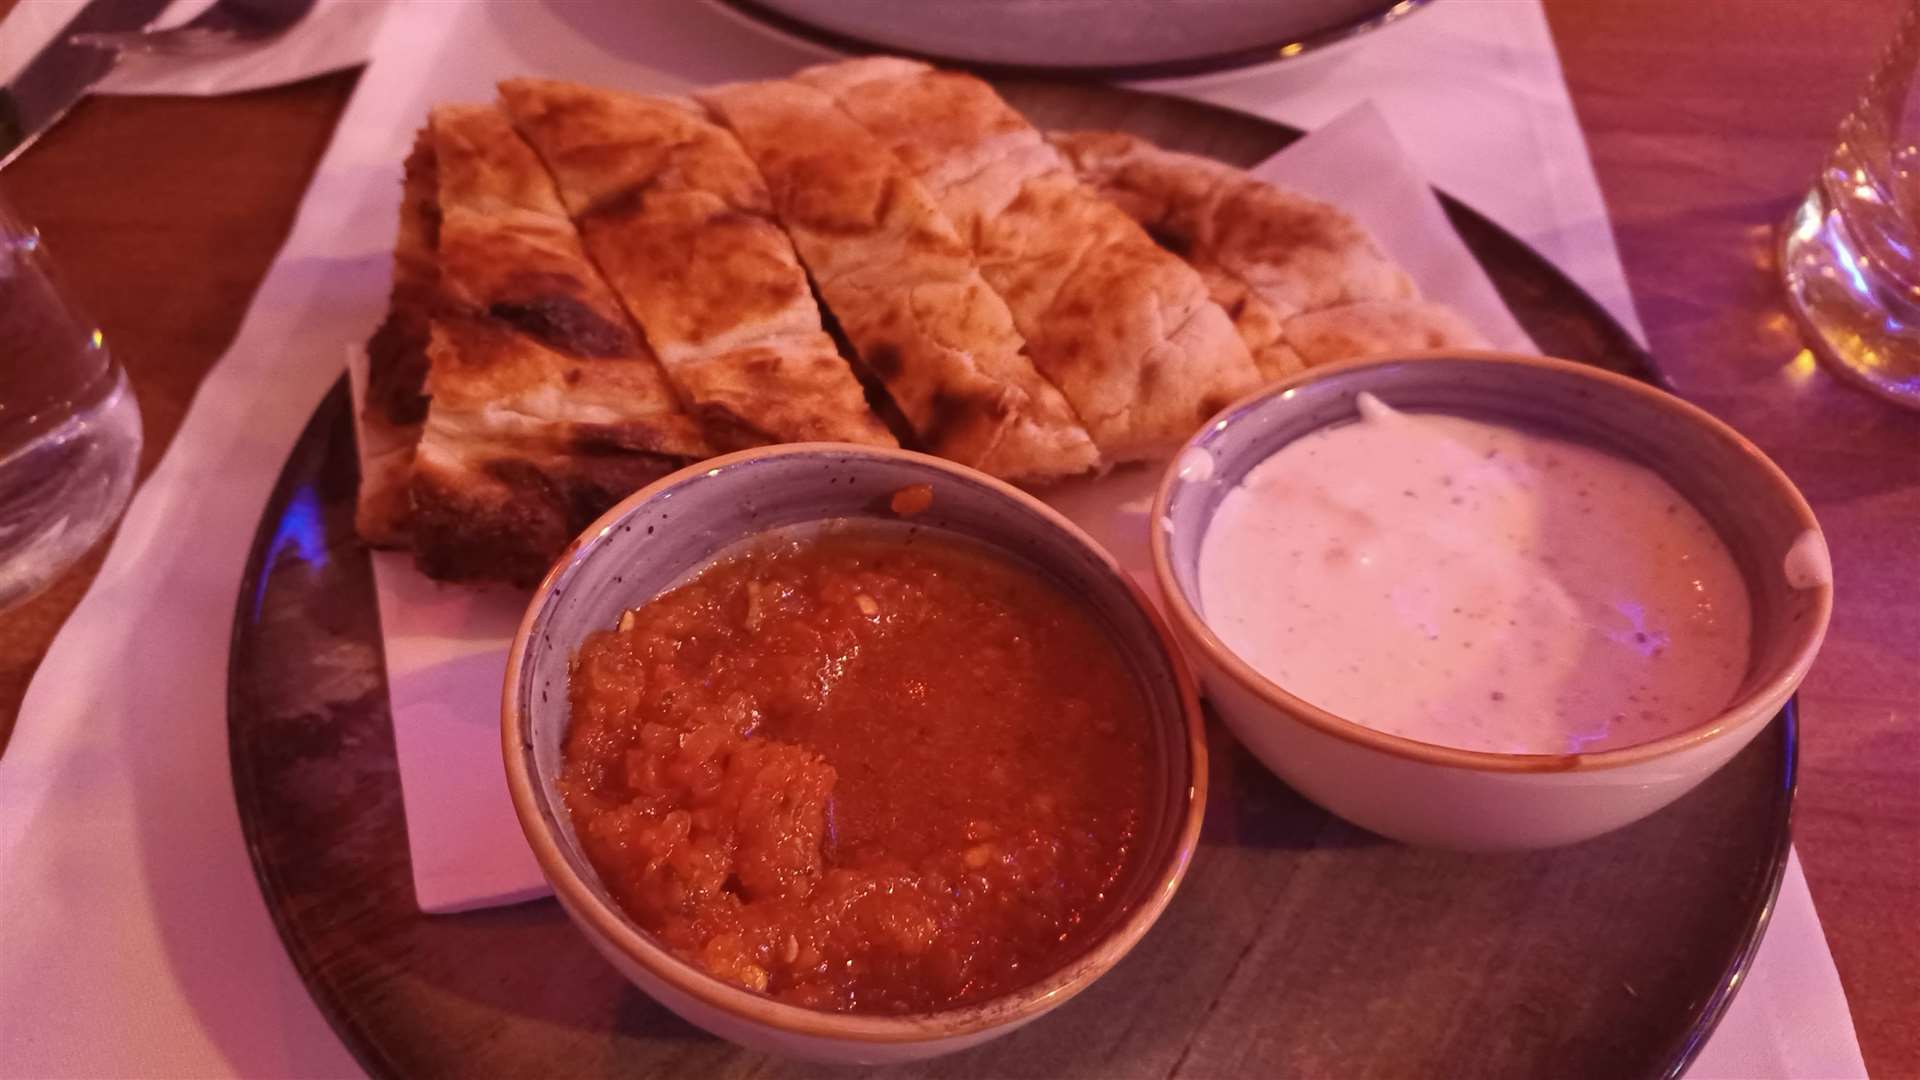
(852, 754)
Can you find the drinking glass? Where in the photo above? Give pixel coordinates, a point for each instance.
(69, 425)
(1850, 252)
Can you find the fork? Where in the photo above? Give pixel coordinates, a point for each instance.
(228, 26)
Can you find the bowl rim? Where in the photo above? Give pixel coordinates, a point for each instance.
(778, 21)
(1757, 704)
(1016, 1006)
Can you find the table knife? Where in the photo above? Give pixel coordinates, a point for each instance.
(49, 85)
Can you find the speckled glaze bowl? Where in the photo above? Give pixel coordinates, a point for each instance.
(660, 535)
(1471, 800)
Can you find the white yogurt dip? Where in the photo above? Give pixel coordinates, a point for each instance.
(1476, 586)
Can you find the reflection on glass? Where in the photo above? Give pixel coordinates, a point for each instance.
(1850, 253)
(69, 426)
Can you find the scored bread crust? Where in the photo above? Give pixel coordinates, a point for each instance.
(1268, 254)
(1125, 330)
(546, 406)
(396, 405)
(499, 493)
(903, 286)
(679, 221)
(1378, 328)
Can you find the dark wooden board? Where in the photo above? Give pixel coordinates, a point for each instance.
(1298, 945)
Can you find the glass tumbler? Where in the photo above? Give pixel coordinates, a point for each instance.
(1850, 252)
(69, 425)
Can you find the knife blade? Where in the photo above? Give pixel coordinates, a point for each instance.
(63, 71)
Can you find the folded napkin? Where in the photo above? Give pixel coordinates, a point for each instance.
(335, 34)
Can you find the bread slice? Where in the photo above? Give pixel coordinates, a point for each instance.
(1125, 330)
(499, 494)
(904, 286)
(396, 404)
(546, 405)
(681, 224)
(1268, 254)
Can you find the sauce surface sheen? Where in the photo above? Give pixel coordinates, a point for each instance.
(1477, 586)
(859, 771)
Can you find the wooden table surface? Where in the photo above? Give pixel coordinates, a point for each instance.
(1705, 121)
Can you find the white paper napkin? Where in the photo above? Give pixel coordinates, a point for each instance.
(1356, 162)
(118, 835)
(335, 34)
(446, 657)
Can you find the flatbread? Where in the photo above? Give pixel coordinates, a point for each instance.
(1124, 329)
(1378, 328)
(1268, 254)
(546, 405)
(679, 221)
(903, 286)
(396, 404)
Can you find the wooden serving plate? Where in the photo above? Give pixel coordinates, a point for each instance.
(1298, 944)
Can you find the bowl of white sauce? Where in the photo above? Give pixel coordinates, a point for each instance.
(1486, 601)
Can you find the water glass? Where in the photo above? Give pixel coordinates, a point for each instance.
(69, 425)
(1850, 252)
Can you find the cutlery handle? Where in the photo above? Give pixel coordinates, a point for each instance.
(64, 71)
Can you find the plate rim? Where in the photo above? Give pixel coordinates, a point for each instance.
(1714, 1009)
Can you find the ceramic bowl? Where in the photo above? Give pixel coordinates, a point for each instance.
(1469, 800)
(655, 539)
(1129, 39)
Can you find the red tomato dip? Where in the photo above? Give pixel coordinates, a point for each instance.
(862, 770)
